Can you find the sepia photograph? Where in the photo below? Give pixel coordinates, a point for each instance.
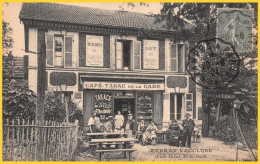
(130, 82)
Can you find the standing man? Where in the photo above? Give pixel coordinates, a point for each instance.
(118, 121)
(94, 123)
(130, 125)
(188, 126)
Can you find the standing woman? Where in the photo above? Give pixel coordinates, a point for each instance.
(119, 121)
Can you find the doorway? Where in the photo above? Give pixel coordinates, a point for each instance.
(124, 105)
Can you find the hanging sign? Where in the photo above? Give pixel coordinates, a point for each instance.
(151, 54)
(221, 96)
(122, 86)
(94, 51)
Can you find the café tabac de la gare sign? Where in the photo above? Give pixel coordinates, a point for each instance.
(123, 86)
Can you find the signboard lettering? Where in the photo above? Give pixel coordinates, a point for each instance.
(151, 54)
(94, 51)
(122, 86)
(222, 96)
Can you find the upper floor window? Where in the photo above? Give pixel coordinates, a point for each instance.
(128, 54)
(59, 50)
(177, 57)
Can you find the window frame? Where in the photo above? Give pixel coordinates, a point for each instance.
(63, 50)
(177, 57)
(131, 66)
(189, 100)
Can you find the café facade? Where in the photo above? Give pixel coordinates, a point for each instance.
(110, 60)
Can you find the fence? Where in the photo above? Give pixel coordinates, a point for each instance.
(20, 140)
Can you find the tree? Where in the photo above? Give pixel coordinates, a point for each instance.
(54, 109)
(197, 21)
(7, 41)
(18, 101)
(200, 16)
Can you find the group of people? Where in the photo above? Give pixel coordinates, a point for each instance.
(144, 133)
(185, 136)
(116, 124)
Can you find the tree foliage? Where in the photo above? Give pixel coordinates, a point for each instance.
(18, 101)
(200, 17)
(54, 108)
(7, 40)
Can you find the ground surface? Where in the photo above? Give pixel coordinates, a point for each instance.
(207, 150)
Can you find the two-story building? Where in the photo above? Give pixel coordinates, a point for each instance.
(111, 60)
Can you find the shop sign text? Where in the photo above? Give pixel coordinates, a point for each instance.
(151, 54)
(122, 86)
(94, 50)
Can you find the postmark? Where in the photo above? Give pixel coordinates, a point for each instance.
(235, 26)
(213, 66)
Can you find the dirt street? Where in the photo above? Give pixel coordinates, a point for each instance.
(207, 150)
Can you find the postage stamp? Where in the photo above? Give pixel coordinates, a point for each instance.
(235, 26)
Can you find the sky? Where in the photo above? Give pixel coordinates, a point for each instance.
(11, 14)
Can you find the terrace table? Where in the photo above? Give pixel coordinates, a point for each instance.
(127, 146)
(105, 134)
(101, 135)
(163, 135)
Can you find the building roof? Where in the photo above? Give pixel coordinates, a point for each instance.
(88, 16)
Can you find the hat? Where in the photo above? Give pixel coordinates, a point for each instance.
(130, 114)
(187, 115)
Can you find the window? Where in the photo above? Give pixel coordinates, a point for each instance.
(189, 102)
(176, 106)
(177, 57)
(59, 51)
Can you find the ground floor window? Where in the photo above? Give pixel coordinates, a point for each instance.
(176, 106)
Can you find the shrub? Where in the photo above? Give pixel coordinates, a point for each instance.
(225, 130)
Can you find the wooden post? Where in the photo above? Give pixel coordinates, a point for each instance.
(235, 121)
(41, 78)
(218, 108)
(66, 107)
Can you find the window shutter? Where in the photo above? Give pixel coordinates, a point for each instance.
(49, 50)
(68, 58)
(189, 102)
(119, 55)
(180, 57)
(173, 51)
(137, 55)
